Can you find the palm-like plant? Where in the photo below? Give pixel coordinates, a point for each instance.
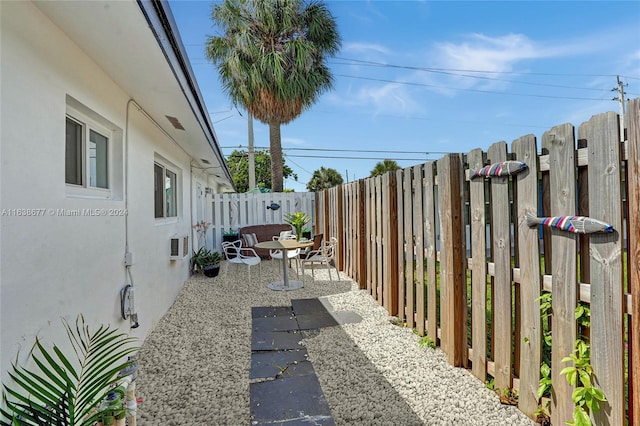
(271, 60)
(66, 391)
(298, 220)
(324, 178)
(383, 167)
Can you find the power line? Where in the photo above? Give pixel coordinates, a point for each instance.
(451, 70)
(470, 90)
(345, 150)
(459, 74)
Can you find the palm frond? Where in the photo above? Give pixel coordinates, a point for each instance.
(63, 390)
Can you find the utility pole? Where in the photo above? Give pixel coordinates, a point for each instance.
(620, 99)
(252, 158)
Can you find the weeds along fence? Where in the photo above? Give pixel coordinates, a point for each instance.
(454, 258)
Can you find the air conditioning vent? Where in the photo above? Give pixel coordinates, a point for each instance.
(179, 247)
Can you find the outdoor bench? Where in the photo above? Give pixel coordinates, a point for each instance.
(262, 233)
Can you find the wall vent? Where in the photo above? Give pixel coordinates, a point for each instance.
(178, 247)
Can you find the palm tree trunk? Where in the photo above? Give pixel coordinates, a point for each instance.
(275, 145)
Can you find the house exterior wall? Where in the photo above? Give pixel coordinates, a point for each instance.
(53, 265)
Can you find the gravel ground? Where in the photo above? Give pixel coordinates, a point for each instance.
(194, 366)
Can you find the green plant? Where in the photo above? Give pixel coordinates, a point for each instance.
(427, 341)
(64, 390)
(297, 220)
(230, 233)
(204, 257)
(585, 395)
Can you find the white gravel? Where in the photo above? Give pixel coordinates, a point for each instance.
(194, 366)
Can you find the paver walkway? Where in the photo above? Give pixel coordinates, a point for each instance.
(284, 388)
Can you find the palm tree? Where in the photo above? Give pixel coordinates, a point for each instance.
(383, 167)
(271, 60)
(324, 179)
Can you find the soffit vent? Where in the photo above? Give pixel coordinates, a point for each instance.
(174, 122)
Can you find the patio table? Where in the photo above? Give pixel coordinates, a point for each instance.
(284, 245)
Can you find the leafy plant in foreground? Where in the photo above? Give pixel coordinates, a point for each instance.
(585, 395)
(65, 391)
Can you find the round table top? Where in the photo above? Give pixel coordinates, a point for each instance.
(284, 244)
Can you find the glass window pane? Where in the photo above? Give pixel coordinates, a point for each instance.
(73, 152)
(170, 194)
(158, 190)
(98, 160)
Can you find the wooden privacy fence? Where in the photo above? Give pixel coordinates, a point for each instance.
(229, 212)
(454, 258)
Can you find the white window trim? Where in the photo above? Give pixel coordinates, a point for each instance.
(85, 190)
(166, 165)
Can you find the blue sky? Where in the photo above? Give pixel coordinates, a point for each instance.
(422, 78)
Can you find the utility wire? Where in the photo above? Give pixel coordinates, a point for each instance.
(470, 90)
(344, 150)
(459, 74)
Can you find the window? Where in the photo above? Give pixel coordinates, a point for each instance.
(86, 153)
(165, 192)
(93, 154)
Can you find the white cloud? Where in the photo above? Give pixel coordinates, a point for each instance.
(363, 48)
(293, 141)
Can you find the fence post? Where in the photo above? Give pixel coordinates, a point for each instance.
(633, 259)
(452, 261)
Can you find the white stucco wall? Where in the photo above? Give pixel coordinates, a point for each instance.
(54, 266)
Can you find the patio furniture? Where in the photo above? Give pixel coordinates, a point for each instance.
(284, 245)
(323, 256)
(238, 255)
(252, 234)
(317, 242)
(291, 254)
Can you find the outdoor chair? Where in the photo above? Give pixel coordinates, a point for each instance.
(236, 254)
(317, 243)
(291, 254)
(323, 256)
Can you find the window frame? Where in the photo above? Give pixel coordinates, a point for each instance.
(88, 125)
(166, 169)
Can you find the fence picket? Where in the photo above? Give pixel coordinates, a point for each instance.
(409, 283)
(402, 247)
(430, 249)
(561, 145)
(501, 256)
(478, 268)
(529, 264)
(606, 266)
(418, 230)
(633, 258)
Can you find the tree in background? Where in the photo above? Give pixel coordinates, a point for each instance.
(238, 162)
(271, 59)
(383, 167)
(324, 179)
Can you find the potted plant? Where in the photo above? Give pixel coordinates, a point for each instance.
(306, 233)
(208, 261)
(298, 220)
(230, 235)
